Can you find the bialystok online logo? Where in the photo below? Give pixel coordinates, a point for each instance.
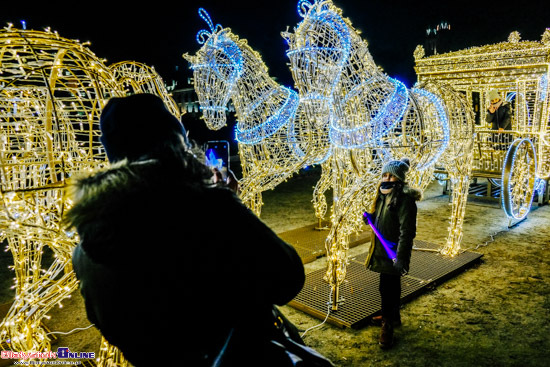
(60, 356)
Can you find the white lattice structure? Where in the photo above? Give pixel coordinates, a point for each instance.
(374, 118)
(52, 91)
(275, 138)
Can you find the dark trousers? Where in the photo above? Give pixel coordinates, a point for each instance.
(390, 292)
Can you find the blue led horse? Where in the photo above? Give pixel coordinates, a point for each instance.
(275, 138)
(374, 118)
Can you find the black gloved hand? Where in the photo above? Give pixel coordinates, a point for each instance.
(400, 266)
(366, 217)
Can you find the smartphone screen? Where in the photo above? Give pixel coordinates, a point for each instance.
(217, 156)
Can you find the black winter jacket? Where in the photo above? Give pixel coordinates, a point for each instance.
(397, 225)
(169, 265)
(501, 118)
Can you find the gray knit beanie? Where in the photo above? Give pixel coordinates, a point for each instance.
(493, 94)
(397, 168)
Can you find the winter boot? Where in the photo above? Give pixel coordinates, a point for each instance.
(386, 334)
(377, 321)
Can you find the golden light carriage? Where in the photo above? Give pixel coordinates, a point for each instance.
(515, 162)
(52, 91)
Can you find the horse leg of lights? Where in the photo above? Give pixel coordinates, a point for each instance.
(460, 185)
(249, 194)
(37, 290)
(352, 191)
(319, 198)
(256, 202)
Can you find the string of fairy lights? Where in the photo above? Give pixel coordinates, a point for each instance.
(52, 91)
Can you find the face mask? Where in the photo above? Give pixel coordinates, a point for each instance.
(387, 186)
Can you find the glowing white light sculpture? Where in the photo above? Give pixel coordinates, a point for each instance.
(275, 138)
(374, 118)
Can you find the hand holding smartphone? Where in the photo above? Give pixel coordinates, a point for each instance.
(217, 156)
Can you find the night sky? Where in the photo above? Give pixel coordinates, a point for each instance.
(157, 33)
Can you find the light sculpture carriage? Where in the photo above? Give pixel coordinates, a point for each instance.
(51, 94)
(373, 118)
(52, 91)
(275, 139)
(135, 77)
(516, 161)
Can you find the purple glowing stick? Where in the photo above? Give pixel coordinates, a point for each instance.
(387, 244)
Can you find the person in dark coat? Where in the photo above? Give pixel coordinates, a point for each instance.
(499, 115)
(393, 214)
(172, 266)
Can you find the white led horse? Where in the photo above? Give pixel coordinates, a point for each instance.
(374, 118)
(275, 137)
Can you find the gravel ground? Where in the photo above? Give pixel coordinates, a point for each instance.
(494, 314)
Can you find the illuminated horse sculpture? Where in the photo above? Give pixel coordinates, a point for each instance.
(275, 138)
(374, 118)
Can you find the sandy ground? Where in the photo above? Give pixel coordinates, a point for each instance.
(494, 314)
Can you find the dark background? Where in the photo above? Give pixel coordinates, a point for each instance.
(157, 33)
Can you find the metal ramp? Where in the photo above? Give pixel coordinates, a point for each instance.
(360, 299)
(309, 241)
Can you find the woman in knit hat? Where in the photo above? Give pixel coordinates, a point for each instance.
(499, 115)
(393, 213)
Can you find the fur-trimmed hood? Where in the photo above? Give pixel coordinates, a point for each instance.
(415, 193)
(113, 205)
(90, 193)
(93, 195)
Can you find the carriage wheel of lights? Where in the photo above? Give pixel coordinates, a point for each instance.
(275, 138)
(519, 71)
(52, 91)
(374, 118)
(518, 179)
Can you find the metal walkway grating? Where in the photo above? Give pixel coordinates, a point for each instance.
(360, 299)
(309, 241)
